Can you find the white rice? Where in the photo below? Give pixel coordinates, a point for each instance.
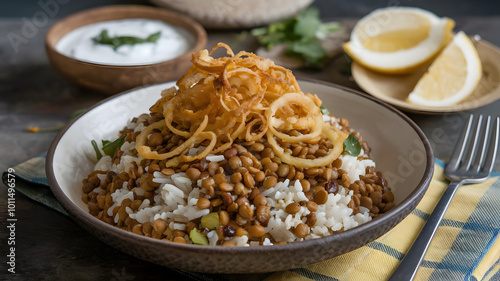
(354, 166)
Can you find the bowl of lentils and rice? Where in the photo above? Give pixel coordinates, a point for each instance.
(238, 168)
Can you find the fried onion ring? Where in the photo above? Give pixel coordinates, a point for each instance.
(335, 135)
(313, 120)
(238, 96)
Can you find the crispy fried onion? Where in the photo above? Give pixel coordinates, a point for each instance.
(239, 96)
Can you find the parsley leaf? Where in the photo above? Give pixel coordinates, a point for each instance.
(302, 36)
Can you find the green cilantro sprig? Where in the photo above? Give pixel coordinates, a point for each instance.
(118, 41)
(302, 36)
(108, 147)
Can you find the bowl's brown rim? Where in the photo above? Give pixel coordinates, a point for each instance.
(189, 24)
(403, 207)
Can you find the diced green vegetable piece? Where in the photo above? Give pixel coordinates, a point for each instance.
(198, 237)
(210, 221)
(324, 110)
(109, 148)
(96, 149)
(352, 146)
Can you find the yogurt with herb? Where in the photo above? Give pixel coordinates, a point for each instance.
(126, 42)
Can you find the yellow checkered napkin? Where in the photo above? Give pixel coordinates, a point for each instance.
(465, 247)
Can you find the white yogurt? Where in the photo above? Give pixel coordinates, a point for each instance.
(173, 42)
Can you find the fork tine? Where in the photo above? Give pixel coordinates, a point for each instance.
(472, 147)
(484, 138)
(459, 149)
(493, 147)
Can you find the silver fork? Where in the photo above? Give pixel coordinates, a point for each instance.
(471, 162)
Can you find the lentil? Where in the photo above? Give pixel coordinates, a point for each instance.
(271, 181)
(245, 211)
(239, 188)
(236, 177)
(226, 187)
(366, 202)
(248, 180)
(312, 206)
(203, 203)
(193, 174)
(293, 208)
(260, 176)
(311, 219)
(301, 230)
(223, 218)
(320, 197)
(257, 230)
(240, 231)
(283, 170)
(235, 162)
(181, 240)
(263, 214)
(227, 199)
(259, 200)
(376, 197)
(231, 152)
(388, 197)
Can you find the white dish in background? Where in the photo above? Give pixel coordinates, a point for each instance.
(399, 148)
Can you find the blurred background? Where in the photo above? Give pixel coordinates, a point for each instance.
(329, 8)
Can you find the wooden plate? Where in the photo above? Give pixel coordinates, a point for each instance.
(395, 88)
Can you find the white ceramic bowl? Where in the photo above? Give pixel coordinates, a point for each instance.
(399, 147)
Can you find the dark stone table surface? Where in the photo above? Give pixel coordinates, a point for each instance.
(51, 246)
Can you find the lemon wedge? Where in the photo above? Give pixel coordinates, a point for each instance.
(398, 39)
(452, 77)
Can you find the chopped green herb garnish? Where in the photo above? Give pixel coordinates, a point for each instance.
(301, 34)
(96, 149)
(352, 146)
(118, 41)
(324, 110)
(108, 147)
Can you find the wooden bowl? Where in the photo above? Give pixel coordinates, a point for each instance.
(112, 79)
